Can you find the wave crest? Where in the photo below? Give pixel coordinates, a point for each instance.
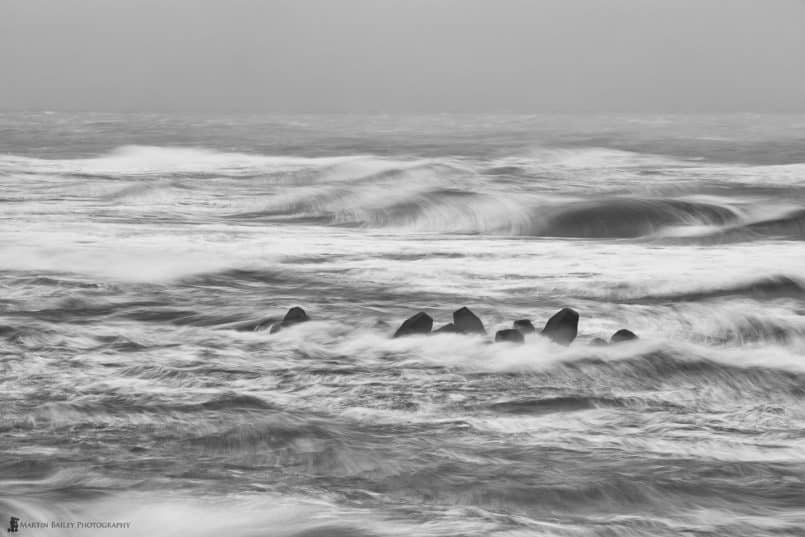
(580, 193)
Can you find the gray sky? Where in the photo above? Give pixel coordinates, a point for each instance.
(403, 55)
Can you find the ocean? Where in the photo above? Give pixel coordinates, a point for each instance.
(144, 256)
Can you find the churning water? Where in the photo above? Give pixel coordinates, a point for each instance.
(135, 249)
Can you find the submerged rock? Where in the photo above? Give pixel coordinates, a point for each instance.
(421, 323)
(294, 316)
(622, 335)
(598, 342)
(447, 329)
(510, 335)
(524, 326)
(562, 327)
(466, 322)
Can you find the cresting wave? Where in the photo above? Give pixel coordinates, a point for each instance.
(515, 196)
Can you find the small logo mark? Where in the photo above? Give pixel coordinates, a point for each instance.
(14, 525)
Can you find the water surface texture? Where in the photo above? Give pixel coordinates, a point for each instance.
(135, 249)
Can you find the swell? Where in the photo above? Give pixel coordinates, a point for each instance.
(544, 194)
(119, 405)
(675, 368)
(418, 207)
(765, 288)
(572, 403)
(790, 226)
(632, 217)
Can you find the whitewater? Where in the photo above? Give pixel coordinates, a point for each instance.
(137, 250)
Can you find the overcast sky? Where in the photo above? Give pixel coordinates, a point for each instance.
(403, 55)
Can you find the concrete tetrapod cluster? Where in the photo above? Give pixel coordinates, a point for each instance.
(561, 328)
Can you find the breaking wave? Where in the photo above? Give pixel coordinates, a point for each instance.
(582, 193)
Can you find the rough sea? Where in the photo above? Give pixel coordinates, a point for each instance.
(138, 253)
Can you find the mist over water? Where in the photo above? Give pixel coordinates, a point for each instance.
(135, 248)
